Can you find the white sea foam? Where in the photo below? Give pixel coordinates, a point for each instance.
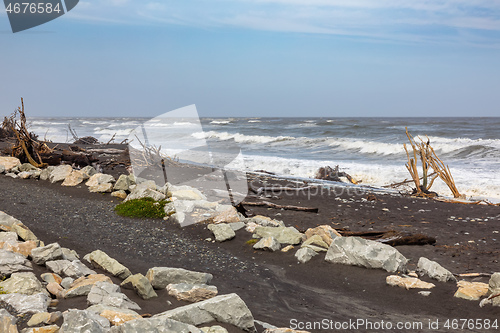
(220, 122)
(241, 138)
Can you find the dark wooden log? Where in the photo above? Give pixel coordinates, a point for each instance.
(286, 207)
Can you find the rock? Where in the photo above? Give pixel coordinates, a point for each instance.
(39, 319)
(229, 215)
(317, 241)
(116, 316)
(45, 174)
(434, 270)
(204, 204)
(83, 285)
(268, 244)
(22, 283)
(265, 221)
(144, 190)
(88, 171)
(191, 292)
(287, 248)
(472, 291)
(222, 231)
(76, 177)
(99, 179)
(9, 162)
(50, 252)
(283, 235)
(11, 262)
(178, 217)
(55, 289)
(101, 260)
(25, 167)
(494, 283)
(186, 193)
(23, 175)
(2, 169)
(67, 282)
(82, 321)
(51, 277)
(123, 183)
(214, 329)
(160, 325)
(316, 248)
(160, 277)
(119, 194)
(101, 188)
(228, 309)
(237, 225)
(140, 284)
(74, 269)
(326, 233)
(26, 303)
(8, 237)
(23, 248)
(408, 282)
(365, 253)
(24, 233)
(59, 173)
(12, 175)
(44, 329)
(305, 254)
(7, 322)
(184, 206)
(109, 294)
(70, 255)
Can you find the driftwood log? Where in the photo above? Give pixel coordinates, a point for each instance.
(285, 207)
(327, 173)
(392, 237)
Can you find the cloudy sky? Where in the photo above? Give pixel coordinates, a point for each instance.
(258, 58)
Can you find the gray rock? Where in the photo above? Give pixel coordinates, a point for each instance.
(156, 325)
(83, 285)
(23, 283)
(8, 222)
(123, 183)
(7, 322)
(214, 329)
(71, 255)
(141, 285)
(26, 303)
(2, 169)
(74, 269)
(169, 208)
(265, 221)
(82, 321)
(8, 237)
(434, 270)
(109, 294)
(25, 167)
(357, 251)
(222, 231)
(88, 171)
(46, 253)
(160, 277)
(142, 191)
(67, 282)
(116, 316)
(228, 309)
(178, 218)
(185, 206)
(494, 283)
(268, 244)
(283, 235)
(59, 173)
(305, 254)
(12, 175)
(191, 292)
(101, 188)
(11, 262)
(51, 277)
(237, 225)
(101, 260)
(24, 175)
(186, 193)
(45, 173)
(99, 179)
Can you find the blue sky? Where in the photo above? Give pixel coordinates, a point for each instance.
(258, 58)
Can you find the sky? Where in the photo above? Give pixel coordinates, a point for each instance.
(254, 58)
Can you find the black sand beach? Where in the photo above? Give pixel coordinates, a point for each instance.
(276, 288)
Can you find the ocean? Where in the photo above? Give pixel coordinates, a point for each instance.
(369, 149)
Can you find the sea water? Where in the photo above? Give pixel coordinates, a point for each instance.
(369, 149)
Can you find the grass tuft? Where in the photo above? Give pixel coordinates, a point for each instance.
(252, 241)
(142, 208)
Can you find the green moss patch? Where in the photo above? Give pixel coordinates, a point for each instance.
(252, 241)
(142, 208)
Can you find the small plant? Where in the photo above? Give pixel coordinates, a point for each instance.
(142, 208)
(252, 241)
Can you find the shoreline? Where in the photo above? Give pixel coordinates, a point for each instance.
(275, 287)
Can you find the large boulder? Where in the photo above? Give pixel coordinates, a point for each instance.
(434, 270)
(191, 292)
(101, 260)
(494, 284)
(357, 251)
(116, 316)
(7, 322)
(26, 303)
(160, 325)
(141, 285)
(161, 277)
(186, 193)
(222, 231)
(74, 269)
(76, 177)
(11, 262)
(23, 283)
(123, 183)
(228, 309)
(265, 221)
(145, 190)
(83, 321)
(59, 173)
(228, 215)
(109, 294)
(100, 178)
(268, 244)
(50, 252)
(283, 235)
(88, 171)
(472, 291)
(305, 254)
(9, 163)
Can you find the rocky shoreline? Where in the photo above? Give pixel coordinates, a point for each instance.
(270, 235)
